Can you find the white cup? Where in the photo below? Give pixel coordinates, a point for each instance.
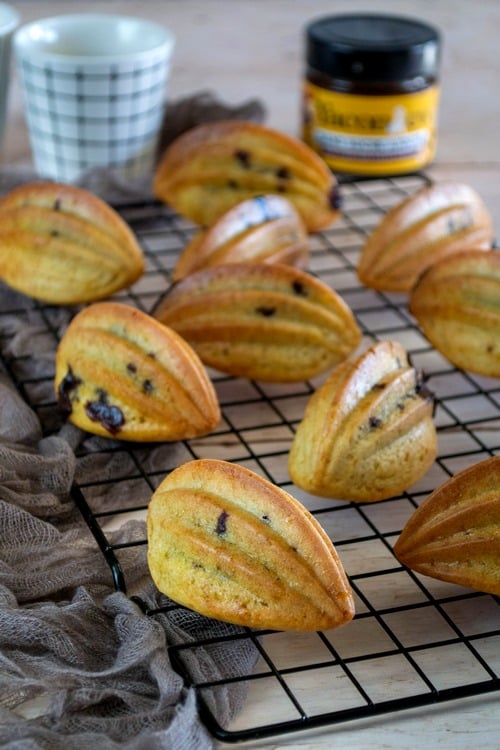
(94, 90)
(9, 20)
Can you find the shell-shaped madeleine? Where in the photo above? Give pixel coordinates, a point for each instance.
(63, 245)
(457, 305)
(212, 167)
(264, 229)
(454, 535)
(122, 374)
(261, 321)
(436, 222)
(230, 545)
(368, 431)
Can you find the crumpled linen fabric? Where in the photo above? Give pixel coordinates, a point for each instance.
(80, 665)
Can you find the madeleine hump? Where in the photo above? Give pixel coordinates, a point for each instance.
(457, 305)
(264, 229)
(263, 321)
(454, 535)
(435, 222)
(65, 246)
(368, 432)
(212, 167)
(122, 374)
(227, 543)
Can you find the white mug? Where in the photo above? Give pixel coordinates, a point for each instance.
(9, 20)
(94, 89)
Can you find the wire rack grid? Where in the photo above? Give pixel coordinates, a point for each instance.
(414, 641)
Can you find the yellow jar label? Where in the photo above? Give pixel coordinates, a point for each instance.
(371, 134)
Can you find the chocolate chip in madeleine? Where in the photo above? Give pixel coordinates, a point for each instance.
(100, 410)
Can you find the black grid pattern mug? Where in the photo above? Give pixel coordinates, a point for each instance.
(94, 90)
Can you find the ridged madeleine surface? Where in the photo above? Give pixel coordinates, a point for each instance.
(368, 432)
(63, 245)
(120, 373)
(264, 229)
(230, 545)
(454, 535)
(437, 221)
(261, 321)
(457, 305)
(212, 167)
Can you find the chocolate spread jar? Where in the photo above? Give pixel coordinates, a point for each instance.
(371, 93)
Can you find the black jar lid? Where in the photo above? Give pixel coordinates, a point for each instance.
(372, 47)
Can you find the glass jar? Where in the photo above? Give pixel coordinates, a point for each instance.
(371, 93)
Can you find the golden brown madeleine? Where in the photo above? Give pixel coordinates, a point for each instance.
(454, 535)
(262, 321)
(212, 167)
(368, 432)
(63, 245)
(457, 305)
(264, 229)
(230, 545)
(122, 374)
(437, 221)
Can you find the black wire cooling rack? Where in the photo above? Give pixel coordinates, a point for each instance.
(414, 641)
